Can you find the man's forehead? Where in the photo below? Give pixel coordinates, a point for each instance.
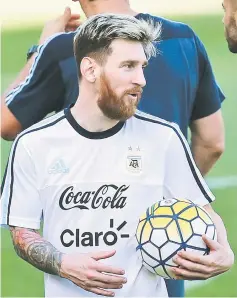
(128, 49)
(120, 43)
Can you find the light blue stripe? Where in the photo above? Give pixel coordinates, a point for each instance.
(11, 95)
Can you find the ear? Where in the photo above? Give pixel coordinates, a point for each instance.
(88, 69)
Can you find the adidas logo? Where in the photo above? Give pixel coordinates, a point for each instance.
(58, 167)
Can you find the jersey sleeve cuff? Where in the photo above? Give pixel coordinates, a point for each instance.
(202, 201)
(24, 223)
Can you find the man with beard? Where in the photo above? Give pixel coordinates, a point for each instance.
(180, 85)
(230, 23)
(76, 167)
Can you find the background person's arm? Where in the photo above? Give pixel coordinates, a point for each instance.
(11, 123)
(207, 141)
(206, 123)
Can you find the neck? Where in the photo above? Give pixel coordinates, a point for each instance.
(107, 6)
(89, 116)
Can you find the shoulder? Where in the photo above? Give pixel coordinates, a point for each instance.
(182, 34)
(155, 124)
(170, 29)
(48, 127)
(59, 46)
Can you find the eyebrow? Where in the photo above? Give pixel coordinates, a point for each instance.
(145, 63)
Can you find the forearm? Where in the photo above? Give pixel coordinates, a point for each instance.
(207, 140)
(31, 247)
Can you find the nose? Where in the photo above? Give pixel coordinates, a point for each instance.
(139, 78)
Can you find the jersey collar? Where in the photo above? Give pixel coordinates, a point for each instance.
(89, 134)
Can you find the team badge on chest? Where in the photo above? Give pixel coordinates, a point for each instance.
(134, 161)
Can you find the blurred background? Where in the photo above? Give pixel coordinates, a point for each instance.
(22, 22)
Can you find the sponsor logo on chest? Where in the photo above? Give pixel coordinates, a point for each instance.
(106, 196)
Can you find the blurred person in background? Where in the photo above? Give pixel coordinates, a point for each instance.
(230, 23)
(180, 88)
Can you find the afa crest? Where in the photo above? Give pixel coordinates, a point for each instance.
(134, 164)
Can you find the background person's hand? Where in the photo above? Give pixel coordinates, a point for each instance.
(64, 23)
(195, 267)
(87, 272)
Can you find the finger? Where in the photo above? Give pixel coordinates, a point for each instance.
(188, 275)
(90, 286)
(193, 257)
(186, 264)
(212, 244)
(108, 269)
(102, 285)
(74, 22)
(75, 16)
(102, 292)
(102, 255)
(72, 26)
(70, 29)
(67, 13)
(109, 279)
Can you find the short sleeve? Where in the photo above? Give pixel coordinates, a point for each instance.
(42, 92)
(20, 202)
(182, 178)
(209, 95)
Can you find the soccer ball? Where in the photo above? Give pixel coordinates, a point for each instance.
(168, 226)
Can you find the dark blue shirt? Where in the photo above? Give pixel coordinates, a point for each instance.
(180, 83)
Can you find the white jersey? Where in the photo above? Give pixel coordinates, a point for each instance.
(92, 187)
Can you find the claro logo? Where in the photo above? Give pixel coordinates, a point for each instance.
(78, 238)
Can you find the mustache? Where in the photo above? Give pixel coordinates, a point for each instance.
(138, 90)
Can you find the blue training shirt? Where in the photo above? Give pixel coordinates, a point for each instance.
(180, 86)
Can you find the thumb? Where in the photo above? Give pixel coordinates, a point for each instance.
(67, 14)
(102, 254)
(212, 244)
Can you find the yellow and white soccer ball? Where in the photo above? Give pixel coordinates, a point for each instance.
(169, 226)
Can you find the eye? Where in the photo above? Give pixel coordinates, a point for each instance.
(128, 65)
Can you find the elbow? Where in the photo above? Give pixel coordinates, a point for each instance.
(7, 137)
(8, 133)
(217, 149)
(10, 125)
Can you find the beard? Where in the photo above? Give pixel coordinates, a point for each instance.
(114, 106)
(231, 37)
(232, 45)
